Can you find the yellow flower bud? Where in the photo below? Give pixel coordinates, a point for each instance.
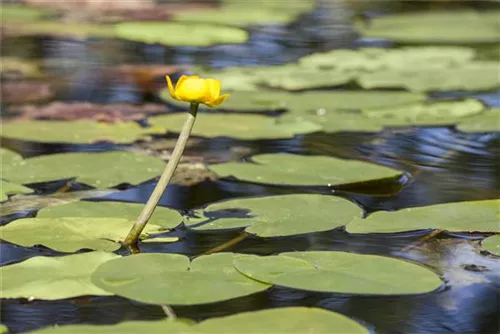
(193, 89)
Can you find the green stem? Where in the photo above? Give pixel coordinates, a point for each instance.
(162, 184)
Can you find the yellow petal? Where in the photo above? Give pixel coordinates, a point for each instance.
(217, 102)
(192, 89)
(180, 81)
(214, 88)
(171, 87)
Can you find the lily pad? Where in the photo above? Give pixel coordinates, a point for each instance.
(304, 78)
(8, 157)
(303, 170)
(19, 13)
(277, 215)
(9, 188)
(473, 216)
(52, 278)
(3, 329)
(61, 29)
(179, 33)
(20, 67)
(492, 244)
(172, 279)
(236, 126)
(164, 217)
(437, 113)
(70, 234)
(452, 27)
(487, 121)
(76, 132)
(100, 170)
(339, 272)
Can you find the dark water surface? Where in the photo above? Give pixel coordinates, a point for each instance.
(442, 165)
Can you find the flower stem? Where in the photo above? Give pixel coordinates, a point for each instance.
(162, 184)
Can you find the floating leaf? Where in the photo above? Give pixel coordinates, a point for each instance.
(100, 170)
(278, 215)
(70, 234)
(172, 279)
(51, 278)
(303, 170)
(3, 329)
(475, 76)
(236, 126)
(304, 78)
(492, 244)
(436, 27)
(473, 216)
(18, 67)
(60, 29)
(179, 33)
(9, 188)
(77, 132)
(164, 217)
(445, 112)
(487, 121)
(339, 272)
(160, 240)
(19, 13)
(8, 157)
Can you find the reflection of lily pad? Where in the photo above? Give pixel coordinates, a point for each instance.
(83, 131)
(9, 188)
(164, 217)
(100, 170)
(53, 278)
(278, 215)
(441, 112)
(339, 272)
(70, 234)
(474, 216)
(180, 34)
(436, 27)
(487, 121)
(172, 279)
(492, 244)
(303, 170)
(236, 126)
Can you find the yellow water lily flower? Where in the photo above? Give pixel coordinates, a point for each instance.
(193, 89)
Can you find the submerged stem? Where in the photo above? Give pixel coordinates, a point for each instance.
(162, 184)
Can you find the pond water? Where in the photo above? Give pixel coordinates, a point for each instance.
(442, 165)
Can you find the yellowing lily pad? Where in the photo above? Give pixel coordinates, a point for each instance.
(473, 216)
(179, 33)
(303, 170)
(277, 215)
(9, 188)
(164, 217)
(70, 234)
(487, 121)
(100, 170)
(339, 272)
(76, 132)
(492, 244)
(52, 278)
(236, 126)
(172, 279)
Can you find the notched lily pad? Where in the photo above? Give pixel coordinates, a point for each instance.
(303, 170)
(52, 278)
(473, 216)
(9, 188)
(172, 279)
(179, 33)
(70, 234)
(492, 244)
(277, 215)
(339, 272)
(77, 132)
(487, 121)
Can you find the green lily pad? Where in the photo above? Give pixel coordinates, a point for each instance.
(164, 217)
(52, 278)
(77, 132)
(277, 215)
(492, 244)
(20, 13)
(179, 33)
(308, 78)
(8, 157)
(62, 29)
(236, 126)
(160, 240)
(303, 170)
(452, 27)
(3, 329)
(100, 170)
(474, 76)
(487, 121)
(70, 234)
(339, 272)
(473, 216)
(9, 188)
(172, 279)
(19, 66)
(437, 113)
